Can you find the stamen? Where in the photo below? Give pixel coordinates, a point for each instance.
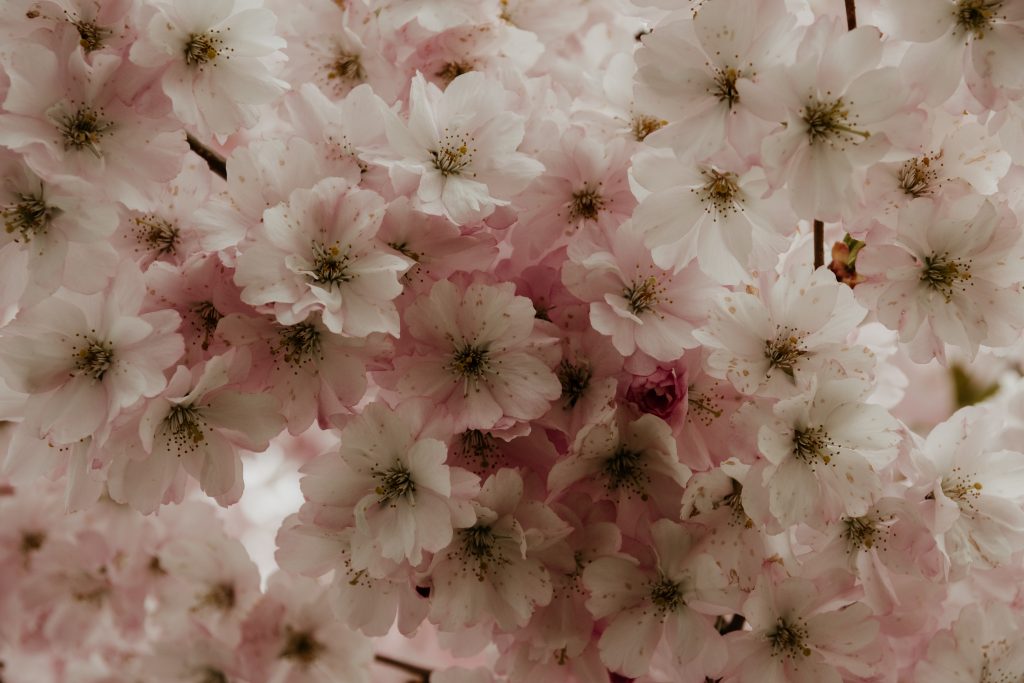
(720, 190)
(641, 296)
(860, 532)
(453, 156)
(347, 67)
(624, 469)
(916, 176)
(586, 204)
(811, 444)
(479, 546)
(395, 482)
(945, 275)
(469, 361)
(725, 86)
(30, 216)
(156, 233)
(185, 424)
(94, 359)
(787, 639)
(91, 36)
(300, 343)
(642, 126)
(221, 597)
(201, 48)
(783, 352)
(84, 129)
(975, 16)
(666, 595)
(208, 317)
(828, 122)
(452, 70)
(300, 646)
(575, 378)
(330, 266)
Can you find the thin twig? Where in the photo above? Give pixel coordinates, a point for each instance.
(819, 243)
(851, 15)
(424, 674)
(213, 160)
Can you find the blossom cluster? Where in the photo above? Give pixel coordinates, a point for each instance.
(544, 277)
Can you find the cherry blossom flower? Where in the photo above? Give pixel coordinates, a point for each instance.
(70, 121)
(772, 343)
(825, 450)
(457, 151)
(640, 306)
(984, 644)
(480, 354)
(713, 212)
(489, 573)
(85, 359)
(668, 598)
(798, 633)
(629, 459)
(196, 424)
(319, 253)
(216, 59)
(951, 278)
(839, 115)
(291, 636)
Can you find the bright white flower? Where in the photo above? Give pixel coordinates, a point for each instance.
(217, 59)
(838, 111)
(715, 213)
(457, 151)
(773, 343)
(319, 252)
(825, 450)
(951, 278)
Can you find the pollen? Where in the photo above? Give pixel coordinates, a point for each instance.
(624, 469)
(330, 266)
(453, 156)
(202, 48)
(642, 125)
(470, 361)
(917, 177)
(829, 123)
(452, 70)
(784, 351)
(300, 343)
(347, 67)
(84, 129)
(91, 35)
(479, 547)
(28, 217)
(395, 483)
(185, 425)
(976, 16)
(642, 295)
(94, 358)
(158, 234)
(666, 594)
(860, 532)
(586, 203)
(946, 275)
(811, 445)
(207, 316)
(788, 638)
(574, 378)
(720, 190)
(724, 87)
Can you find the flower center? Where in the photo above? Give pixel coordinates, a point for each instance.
(975, 16)
(624, 469)
(90, 35)
(725, 86)
(666, 594)
(479, 545)
(156, 233)
(811, 444)
(783, 352)
(300, 646)
(916, 177)
(828, 122)
(586, 204)
(330, 266)
(346, 67)
(211, 675)
(32, 541)
(453, 156)
(394, 483)
(642, 125)
(185, 424)
(94, 359)
(470, 361)
(208, 317)
(300, 343)
(83, 129)
(961, 489)
(943, 274)
(201, 48)
(452, 70)
(220, 596)
(787, 639)
(575, 378)
(29, 216)
(860, 532)
(642, 295)
(720, 190)
(479, 445)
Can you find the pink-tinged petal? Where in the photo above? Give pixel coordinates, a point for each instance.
(143, 483)
(615, 584)
(426, 466)
(76, 410)
(793, 492)
(628, 643)
(845, 631)
(253, 419)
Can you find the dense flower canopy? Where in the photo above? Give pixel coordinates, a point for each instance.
(511, 341)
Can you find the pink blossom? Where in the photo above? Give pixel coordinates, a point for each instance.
(660, 392)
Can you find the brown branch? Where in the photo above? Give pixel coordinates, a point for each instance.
(424, 674)
(851, 15)
(213, 160)
(819, 244)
